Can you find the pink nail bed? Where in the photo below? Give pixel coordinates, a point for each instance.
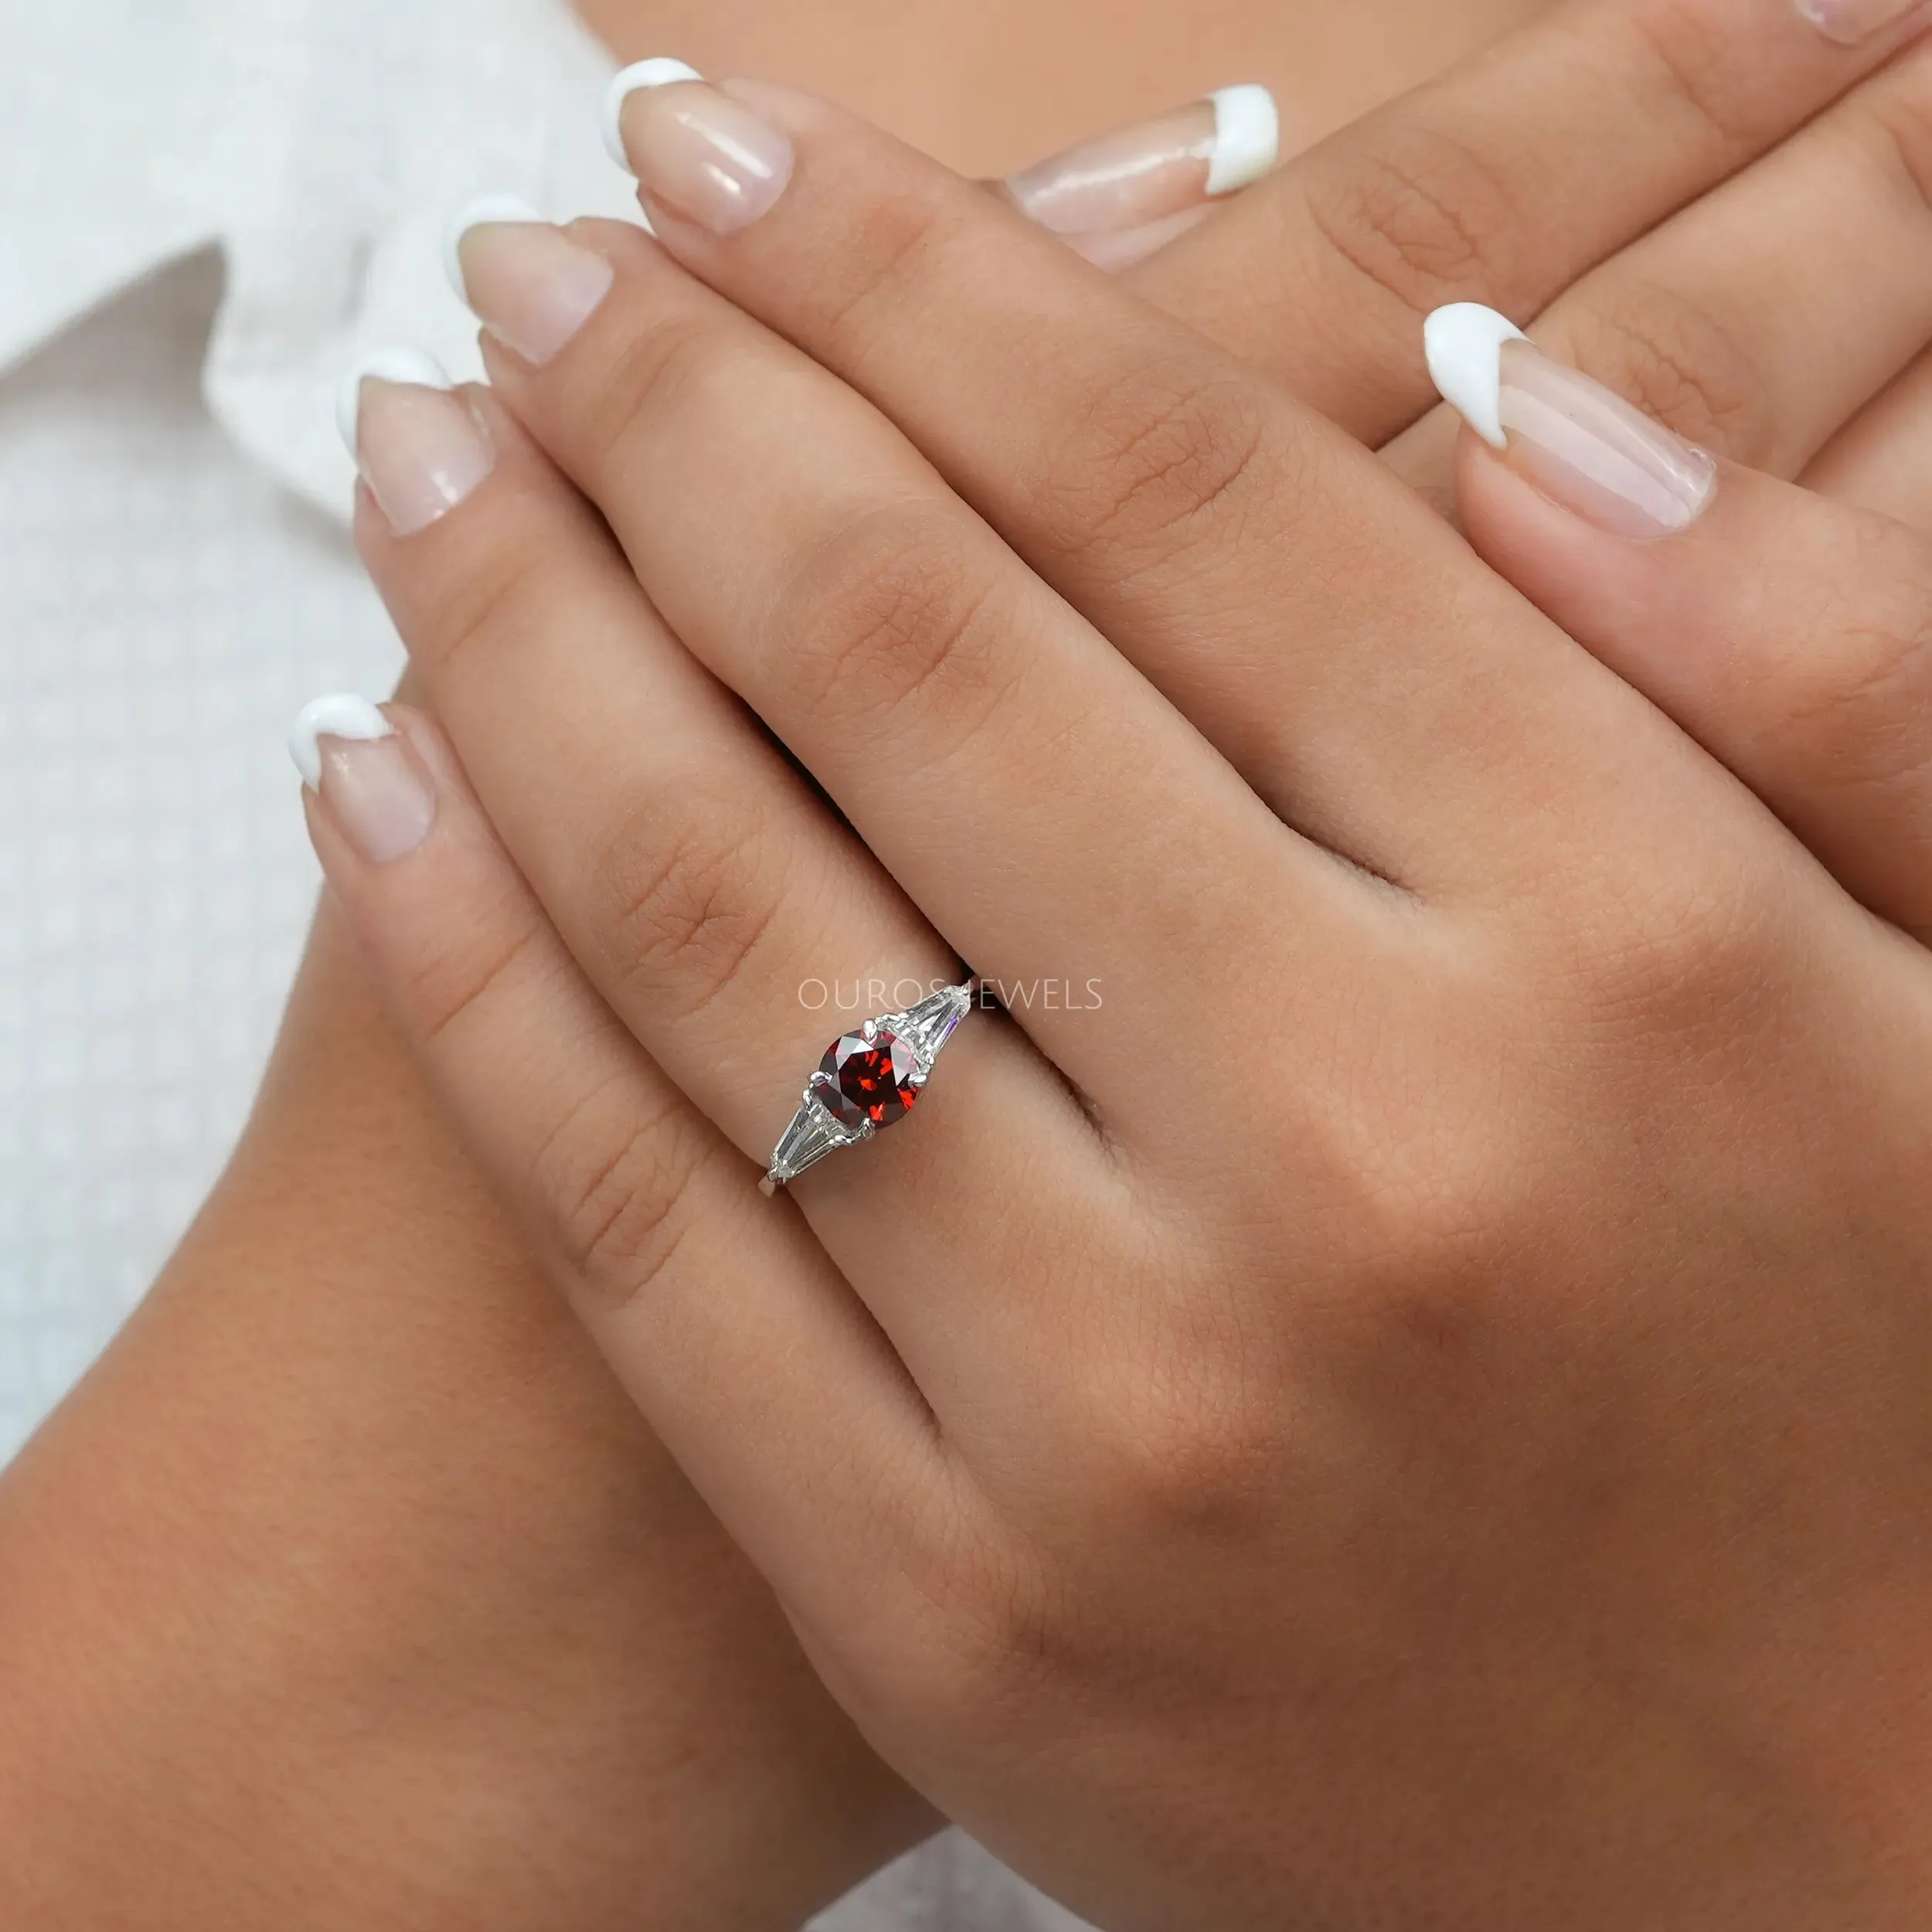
(696, 152)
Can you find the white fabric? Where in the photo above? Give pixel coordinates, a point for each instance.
(209, 207)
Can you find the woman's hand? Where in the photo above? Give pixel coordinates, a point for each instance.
(1405, 1407)
(1539, 179)
(351, 1244)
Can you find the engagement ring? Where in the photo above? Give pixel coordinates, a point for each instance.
(868, 1079)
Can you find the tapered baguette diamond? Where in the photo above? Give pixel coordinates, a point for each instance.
(929, 1025)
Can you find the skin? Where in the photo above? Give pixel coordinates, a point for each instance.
(181, 1477)
(989, 88)
(1789, 634)
(429, 1632)
(1495, 1469)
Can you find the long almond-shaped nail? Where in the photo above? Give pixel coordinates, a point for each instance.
(1582, 445)
(695, 152)
(533, 286)
(1151, 172)
(419, 446)
(371, 784)
(1851, 21)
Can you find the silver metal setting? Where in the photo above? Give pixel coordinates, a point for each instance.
(815, 1132)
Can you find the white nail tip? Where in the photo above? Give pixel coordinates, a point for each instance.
(386, 365)
(1247, 138)
(639, 74)
(1464, 343)
(485, 209)
(341, 715)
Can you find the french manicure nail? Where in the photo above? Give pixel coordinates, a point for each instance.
(1160, 168)
(1582, 445)
(1851, 21)
(419, 446)
(694, 151)
(532, 285)
(369, 780)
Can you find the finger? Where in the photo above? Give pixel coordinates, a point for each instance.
(1882, 460)
(724, 915)
(941, 695)
(1704, 323)
(637, 1207)
(1502, 183)
(1133, 464)
(1791, 635)
(1118, 199)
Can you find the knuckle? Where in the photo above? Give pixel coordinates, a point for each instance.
(1196, 1459)
(620, 1190)
(1156, 453)
(1691, 48)
(683, 911)
(1855, 715)
(494, 596)
(1427, 1183)
(993, 1627)
(1684, 957)
(1430, 1246)
(888, 615)
(1420, 214)
(902, 232)
(1679, 361)
(1175, 1432)
(657, 370)
(1897, 122)
(478, 958)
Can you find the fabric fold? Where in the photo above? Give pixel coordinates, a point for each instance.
(324, 145)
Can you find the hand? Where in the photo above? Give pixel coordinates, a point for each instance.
(343, 1142)
(1510, 184)
(1404, 1410)
(1507, 182)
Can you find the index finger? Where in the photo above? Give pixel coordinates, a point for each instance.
(1503, 184)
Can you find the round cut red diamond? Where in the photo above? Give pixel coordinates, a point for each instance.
(869, 1080)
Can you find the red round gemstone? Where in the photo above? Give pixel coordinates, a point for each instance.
(870, 1080)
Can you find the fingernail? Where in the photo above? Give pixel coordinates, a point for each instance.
(1851, 21)
(369, 780)
(1149, 173)
(1582, 446)
(530, 284)
(419, 446)
(694, 151)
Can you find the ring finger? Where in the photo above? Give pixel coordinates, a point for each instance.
(633, 1202)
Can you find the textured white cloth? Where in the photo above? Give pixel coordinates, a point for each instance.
(209, 208)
